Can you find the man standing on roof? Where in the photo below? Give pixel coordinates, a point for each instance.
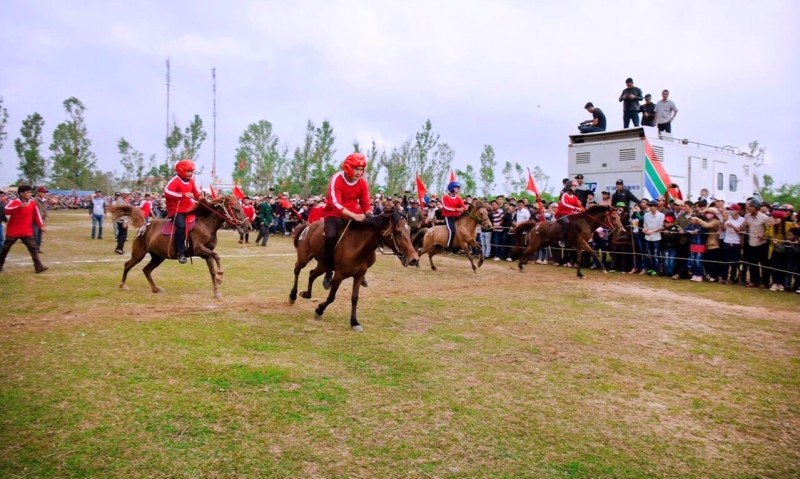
(180, 194)
(666, 111)
(630, 98)
(597, 123)
(348, 199)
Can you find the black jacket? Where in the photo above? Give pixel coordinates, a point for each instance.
(624, 196)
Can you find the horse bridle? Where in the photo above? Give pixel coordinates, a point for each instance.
(229, 217)
(390, 231)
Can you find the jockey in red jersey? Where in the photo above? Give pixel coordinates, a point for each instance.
(180, 194)
(452, 207)
(348, 198)
(569, 204)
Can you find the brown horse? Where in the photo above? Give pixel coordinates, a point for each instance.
(582, 225)
(434, 240)
(211, 216)
(355, 253)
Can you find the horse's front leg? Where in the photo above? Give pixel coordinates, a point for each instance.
(212, 266)
(320, 309)
(354, 324)
(312, 276)
(204, 252)
(467, 247)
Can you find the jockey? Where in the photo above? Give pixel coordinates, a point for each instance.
(569, 204)
(180, 194)
(452, 207)
(348, 198)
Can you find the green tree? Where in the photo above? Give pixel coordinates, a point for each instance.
(262, 156)
(516, 180)
(374, 166)
(758, 153)
(312, 164)
(3, 123)
(133, 164)
(784, 194)
(193, 138)
(32, 165)
(73, 160)
(173, 142)
(488, 164)
(467, 178)
(441, 161)
(396, 164)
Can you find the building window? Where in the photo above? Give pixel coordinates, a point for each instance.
(732, 182)
(720, 181)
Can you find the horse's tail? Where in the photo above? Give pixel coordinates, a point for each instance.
(296, 233)
(135, 213)
(417, 240)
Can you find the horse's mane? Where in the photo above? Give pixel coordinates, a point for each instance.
(205, 207)
(473, 207)
(597, 209)
(379, 221)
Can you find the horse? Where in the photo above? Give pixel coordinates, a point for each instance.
(211, 215)
(582, 225)
(354, 255)
(434, 239)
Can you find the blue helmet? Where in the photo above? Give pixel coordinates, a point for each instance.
(453, 185)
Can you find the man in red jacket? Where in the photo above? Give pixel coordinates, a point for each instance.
(569, 204)
(250, 213)
(22, 215)
(180, 194)
(452, 207)
(348, 198)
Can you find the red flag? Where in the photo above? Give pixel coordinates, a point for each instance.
(238, 192)
(535, 192)
(213, 192)
(452, 176)
(421, 190)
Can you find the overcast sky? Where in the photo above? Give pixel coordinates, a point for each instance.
(512, 74)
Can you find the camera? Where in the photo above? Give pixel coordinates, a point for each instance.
(271, 188)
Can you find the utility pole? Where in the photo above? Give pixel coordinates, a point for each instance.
(214, 115)
(166, 157)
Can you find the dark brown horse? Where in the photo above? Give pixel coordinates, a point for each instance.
(434, 240)
(355, 253)
(210, 217)
(532, 236)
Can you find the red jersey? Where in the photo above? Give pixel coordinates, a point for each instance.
(568, 204)
(315, 213)
(450, 205)
(174, 194)
(147, 208)
(21, 218)
(344, 194)
(249, 212)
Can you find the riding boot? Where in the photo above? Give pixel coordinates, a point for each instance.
(563, 236)
(328, 257)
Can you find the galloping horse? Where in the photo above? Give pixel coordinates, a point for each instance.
(355, 253)
(434, 240)
(582, 225)
(210, 216)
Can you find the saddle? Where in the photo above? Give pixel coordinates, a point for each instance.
(168, 227)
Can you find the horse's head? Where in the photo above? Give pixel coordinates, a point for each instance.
(232, 212)
(478, 210)
(397, 236)
(615, 220)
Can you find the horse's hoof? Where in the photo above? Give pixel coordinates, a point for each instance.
(358, 329)
(605, 272)
(217, 295)
(158, 290)
(291, 300)
(124, 287)
(317, 317)
(305, 294)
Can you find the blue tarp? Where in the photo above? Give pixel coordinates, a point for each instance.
(78, 193)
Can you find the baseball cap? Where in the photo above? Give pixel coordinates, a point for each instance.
(620, 204)
(620, 182)
(605, 192)
(41, 189)
(579, 176)
(629, 80)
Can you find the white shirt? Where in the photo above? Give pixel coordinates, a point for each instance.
(523, 215)
(731, 235)
(653, 223)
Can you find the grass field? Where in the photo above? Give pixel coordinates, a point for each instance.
(499, 374)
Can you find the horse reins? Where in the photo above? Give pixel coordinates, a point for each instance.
(228, 216)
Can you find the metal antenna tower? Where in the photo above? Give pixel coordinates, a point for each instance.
(166, 157)
(214, 115)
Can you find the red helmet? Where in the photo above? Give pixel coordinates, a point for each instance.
(183, 168)
(354, 160)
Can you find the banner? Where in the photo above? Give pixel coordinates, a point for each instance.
(421, 190)
(213, 192)
(535, 192)
(238, 192)
(452, 176)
